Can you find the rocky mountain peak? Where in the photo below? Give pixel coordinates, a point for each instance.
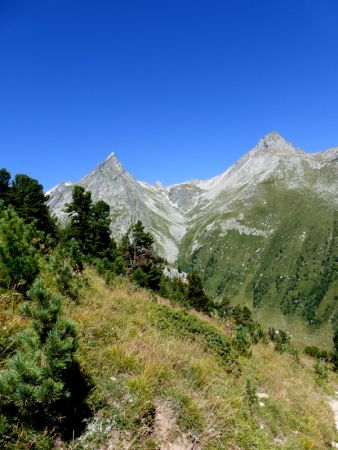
(112, 156)
(169, 212)
(274, 142)
(59, 187)
(107, 169)
(112, 161)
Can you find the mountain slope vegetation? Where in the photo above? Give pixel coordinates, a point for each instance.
(263, 233)
(140, 361)
(93, 356)
(143, 358)
(281, 259)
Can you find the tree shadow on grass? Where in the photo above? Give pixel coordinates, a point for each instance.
(74, 409)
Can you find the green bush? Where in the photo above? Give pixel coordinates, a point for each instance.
(66, 266)
(281, 339)
(140, 277)
(321, 371)
(174, 289)
(186, 325)
(243, 341)
(317, 353)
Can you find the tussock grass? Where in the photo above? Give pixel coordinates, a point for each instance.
(139, 351)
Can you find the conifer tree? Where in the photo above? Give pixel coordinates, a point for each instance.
(142, 241)
(79, 210)
(5, 177)
(33, 385)
(90, 225)
(29, 201)
(99, 240)
(66, 264)
(137, 249)
(18, 257)
(196, 296)
(335, 352)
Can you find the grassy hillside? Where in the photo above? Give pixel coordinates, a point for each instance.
(276, 253)
(158, 380)
(161, 376)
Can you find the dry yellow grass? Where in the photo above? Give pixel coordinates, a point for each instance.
(135, 366)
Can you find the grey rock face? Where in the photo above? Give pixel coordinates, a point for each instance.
(184, 196)
(169, 212)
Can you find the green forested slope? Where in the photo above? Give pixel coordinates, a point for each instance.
(279, 255)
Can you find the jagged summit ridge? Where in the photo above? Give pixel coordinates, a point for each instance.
(111, 155)
(273, 141)
(169, 212)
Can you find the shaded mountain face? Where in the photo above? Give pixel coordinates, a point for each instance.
(264, 232)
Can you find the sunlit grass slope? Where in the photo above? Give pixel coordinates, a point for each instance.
(146, 357)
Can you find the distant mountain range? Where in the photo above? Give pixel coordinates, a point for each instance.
(263, 233)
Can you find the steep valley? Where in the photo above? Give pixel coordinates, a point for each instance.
(264, 233)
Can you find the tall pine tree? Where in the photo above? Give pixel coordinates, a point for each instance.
(196, 296)
(143, 262)
(89, 224)
(5, 177)
(29, 201)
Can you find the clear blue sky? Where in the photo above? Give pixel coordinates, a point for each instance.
(178, 89)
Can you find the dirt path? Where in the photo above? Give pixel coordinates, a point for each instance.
(333, 402)
(165, 422)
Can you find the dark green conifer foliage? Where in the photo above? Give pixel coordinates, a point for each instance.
(242, 340)
(89, 225)
(18, 257)
(137, 246)
(100, 243)
(74, 255)
(29, 201)
(155, 274)
(197, 297)
(140, 277)
(142, 241)
(143, 262)
(66, 264)
(335, 352)
(175, 289)
(79, 211)
(317, 353)
(5, 177)
(242, 315)
(33, 385)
